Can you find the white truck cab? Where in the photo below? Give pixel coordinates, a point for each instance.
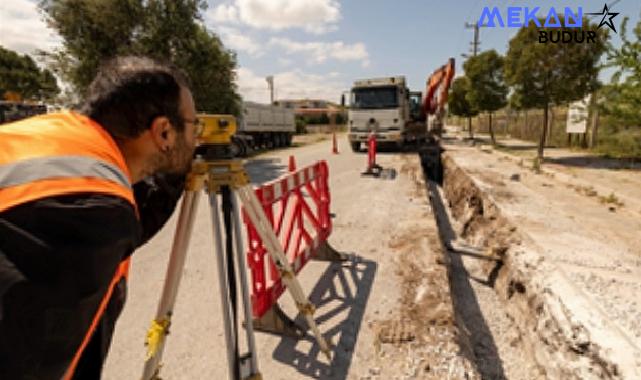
(386, 107)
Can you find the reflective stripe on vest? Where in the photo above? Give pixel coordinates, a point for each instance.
(36, 169)
(60, 154)
(37, 178)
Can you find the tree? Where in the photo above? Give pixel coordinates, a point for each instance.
(211, 69)
(169, 30)
(546, 74)
(20, 74)
(623, 95)
(458, 104)
(487, 89)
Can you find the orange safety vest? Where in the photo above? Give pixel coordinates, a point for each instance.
(60, 154)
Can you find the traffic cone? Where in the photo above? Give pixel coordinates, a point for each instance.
(334, 144)
(373, 168)
(292, 164)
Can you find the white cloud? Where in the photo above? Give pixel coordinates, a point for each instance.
(251, 86)
(236, 40)
(285, 61)
(22, 28)
(314, 16)
(223, 13)
(319, 52)
(290, 85)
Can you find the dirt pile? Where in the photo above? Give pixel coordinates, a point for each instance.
(562, 330)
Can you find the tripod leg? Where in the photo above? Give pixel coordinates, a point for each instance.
(160, 325)
(230, 333)
(274, 247)
(242, 265)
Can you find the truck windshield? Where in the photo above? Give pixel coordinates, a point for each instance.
(375, 97)
(415, 104)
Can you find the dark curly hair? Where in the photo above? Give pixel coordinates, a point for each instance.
(128, 93)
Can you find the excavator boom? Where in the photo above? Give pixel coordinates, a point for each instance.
(437, 87)
(435, 100)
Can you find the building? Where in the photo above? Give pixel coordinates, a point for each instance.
(311, 107)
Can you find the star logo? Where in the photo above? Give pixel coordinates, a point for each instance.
(606, 15)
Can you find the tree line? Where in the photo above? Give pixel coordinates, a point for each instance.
(95, 31)
(535, 75)
(21, 78)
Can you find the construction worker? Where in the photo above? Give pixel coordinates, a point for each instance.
(79, 192)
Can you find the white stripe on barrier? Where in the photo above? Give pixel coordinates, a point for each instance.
(310, 173)
(301, 177)
(278, 190)
(290, 182)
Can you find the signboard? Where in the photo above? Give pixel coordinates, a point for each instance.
(578, 116)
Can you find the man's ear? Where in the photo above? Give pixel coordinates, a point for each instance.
(162, 133)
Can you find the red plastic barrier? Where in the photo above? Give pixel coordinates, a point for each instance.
(297, 206)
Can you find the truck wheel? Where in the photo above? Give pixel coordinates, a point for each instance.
(356, 146)
(236, 147)
(256, 142)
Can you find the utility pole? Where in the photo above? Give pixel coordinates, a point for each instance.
(475, 49)
(270, 84)
(475, 44)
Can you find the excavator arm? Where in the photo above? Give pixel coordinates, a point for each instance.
(437, 87)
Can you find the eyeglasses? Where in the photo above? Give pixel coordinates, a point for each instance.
(198, 125)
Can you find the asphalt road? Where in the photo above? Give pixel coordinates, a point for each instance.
(349, 295)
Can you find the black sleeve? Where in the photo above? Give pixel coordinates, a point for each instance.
(156, 198)
(57, 258)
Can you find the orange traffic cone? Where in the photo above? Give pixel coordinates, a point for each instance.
(292, 164)
(334, 144)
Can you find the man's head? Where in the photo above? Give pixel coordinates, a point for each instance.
(148, 109)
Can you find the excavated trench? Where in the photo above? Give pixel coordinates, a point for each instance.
(516, 328)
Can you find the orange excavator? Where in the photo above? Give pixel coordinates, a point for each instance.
(435, 99)
(432, 114)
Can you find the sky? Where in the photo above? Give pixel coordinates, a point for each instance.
(317, 48)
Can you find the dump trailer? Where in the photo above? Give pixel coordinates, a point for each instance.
(263, 126)
(15, 110)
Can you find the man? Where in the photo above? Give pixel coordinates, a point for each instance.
(79, 192)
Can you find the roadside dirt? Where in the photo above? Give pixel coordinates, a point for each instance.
(422, 340)
(613, 182)
(569, 268)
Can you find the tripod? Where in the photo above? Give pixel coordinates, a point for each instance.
(227, 177)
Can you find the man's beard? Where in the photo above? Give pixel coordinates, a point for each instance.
(177, 160)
